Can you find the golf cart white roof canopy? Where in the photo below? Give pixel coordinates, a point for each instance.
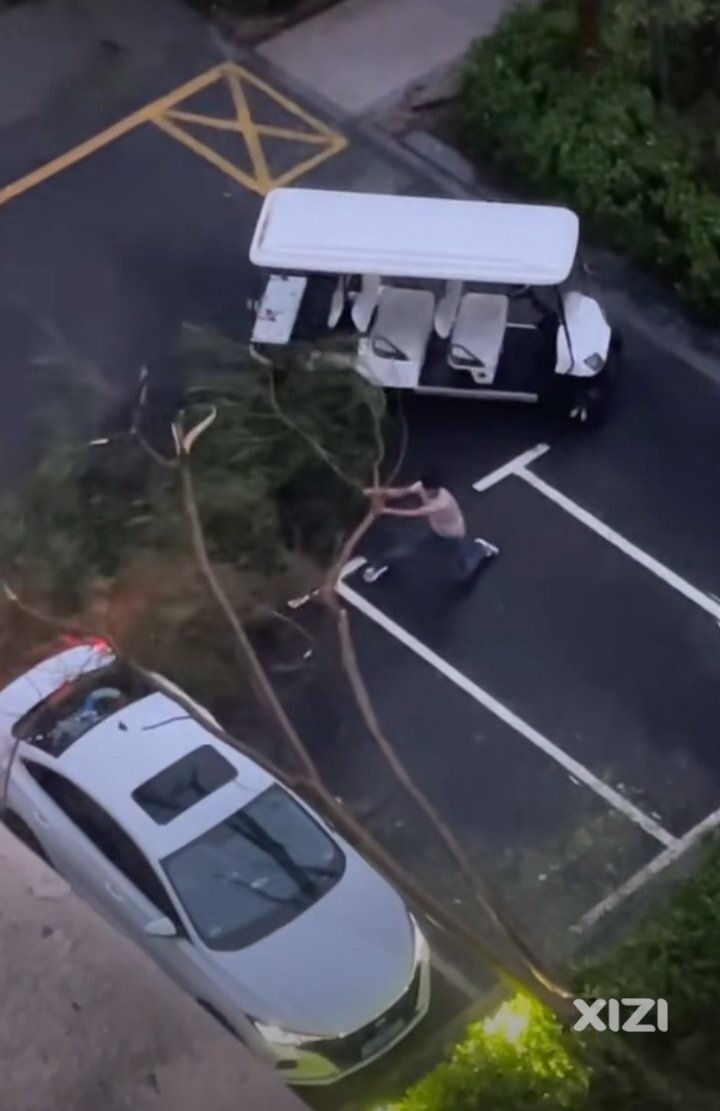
(328, 232)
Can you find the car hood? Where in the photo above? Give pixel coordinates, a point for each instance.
(335, 967)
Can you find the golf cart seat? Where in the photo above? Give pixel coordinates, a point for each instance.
(394, 352)
(477, 336)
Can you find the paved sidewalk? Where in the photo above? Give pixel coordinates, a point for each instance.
(364, 55)
(88, 1022)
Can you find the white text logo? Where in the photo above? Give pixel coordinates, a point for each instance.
(629, 1015)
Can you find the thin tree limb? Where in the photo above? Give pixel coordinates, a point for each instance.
(491, 903)
(311, 441)
(260, 681)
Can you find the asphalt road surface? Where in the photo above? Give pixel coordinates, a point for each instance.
(563, 714)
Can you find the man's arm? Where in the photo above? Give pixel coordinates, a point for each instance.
(394, 493)
(421, 511)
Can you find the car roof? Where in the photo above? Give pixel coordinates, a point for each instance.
(334, 232)
(126, 749)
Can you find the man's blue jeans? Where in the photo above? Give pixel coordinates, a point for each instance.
(461, 554)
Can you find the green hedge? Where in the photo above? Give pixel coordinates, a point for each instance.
(597, 141)
(676, 956)
(521, 1060)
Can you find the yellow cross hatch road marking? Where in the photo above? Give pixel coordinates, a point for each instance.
(166, 114)
(237, 83)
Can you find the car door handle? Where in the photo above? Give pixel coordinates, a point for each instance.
(114, 893)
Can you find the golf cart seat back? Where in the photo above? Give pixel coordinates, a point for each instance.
(447, 309)
(394, 352)
(338, 300)
(366, 302)
(477, 336)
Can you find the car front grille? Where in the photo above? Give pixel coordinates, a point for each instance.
(348, 1051)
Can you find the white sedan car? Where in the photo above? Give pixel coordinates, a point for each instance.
(228, 881)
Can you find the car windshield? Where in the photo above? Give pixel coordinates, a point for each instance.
(255, 871)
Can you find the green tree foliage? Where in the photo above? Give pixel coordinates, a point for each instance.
(602, 141)
(99, 531)
(514, 1061)
(675, 956)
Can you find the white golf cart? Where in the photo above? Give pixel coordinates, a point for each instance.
(450, 297)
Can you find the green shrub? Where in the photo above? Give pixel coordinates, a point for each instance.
(521, 1060)
(675, 956)
(597, 141)
(514, 1061)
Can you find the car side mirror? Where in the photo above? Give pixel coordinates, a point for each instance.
(160, 927)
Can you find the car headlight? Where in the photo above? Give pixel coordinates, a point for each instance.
(595, 362)
(275, 1035)
(421, 950)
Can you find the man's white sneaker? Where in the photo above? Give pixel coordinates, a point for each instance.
(372, 574)
(490, 549)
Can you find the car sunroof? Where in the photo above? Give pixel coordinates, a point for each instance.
(183, 784)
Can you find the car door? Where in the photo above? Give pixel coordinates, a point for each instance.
(107, 869)
(29, 805)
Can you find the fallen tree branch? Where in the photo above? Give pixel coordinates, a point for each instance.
(539, 980)
(522, 964)
(260, 680)
(309, 440)
(491, 903)
(313, 791)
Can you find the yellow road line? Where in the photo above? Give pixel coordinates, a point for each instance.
(206, 121)
(280, 98)
(209, 154)
(237, 125)
(162, 111)
(247, 124)
(310, 163)
(289, 133)
(116, 131)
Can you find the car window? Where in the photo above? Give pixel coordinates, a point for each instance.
(255, 871)
(79, 705)
(105, 833)
(178, 787)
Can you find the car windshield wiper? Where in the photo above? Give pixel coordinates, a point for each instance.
(254, 832)
(280, 900)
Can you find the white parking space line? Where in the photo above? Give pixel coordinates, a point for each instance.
(578, 771)
(515, 466)
(704, 601)
(519, 468)
(612, 901)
